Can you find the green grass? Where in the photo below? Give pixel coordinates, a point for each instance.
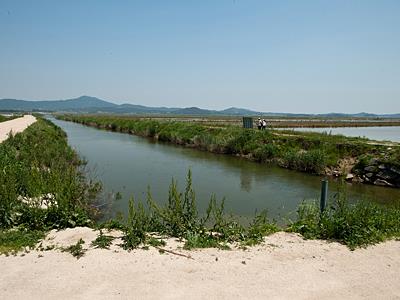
(354, 225)
(152, 241)
(12, 241)
(76, 250)
(103, 241)
(38, 164)
(4, 118)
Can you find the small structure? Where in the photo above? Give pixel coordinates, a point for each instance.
(247, 122)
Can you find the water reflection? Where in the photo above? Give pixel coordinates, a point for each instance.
(246, 179)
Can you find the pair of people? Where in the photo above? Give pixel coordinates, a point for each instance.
(261, 124)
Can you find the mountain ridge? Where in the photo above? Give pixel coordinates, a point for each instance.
(89, 104)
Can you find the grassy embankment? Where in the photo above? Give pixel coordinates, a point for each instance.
(41, 186)
(306, 152)
(275, 121)
(4, 118)
(41, 169)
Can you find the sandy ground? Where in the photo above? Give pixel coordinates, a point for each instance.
(284, 267)
(15, 126)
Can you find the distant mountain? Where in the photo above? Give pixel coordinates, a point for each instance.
(87, 104)
(394, 116)
(131, 108)
(194, 111)
(81, 103)
(238, 111)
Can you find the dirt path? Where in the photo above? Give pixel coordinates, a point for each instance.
(15, 126)
(285, 267)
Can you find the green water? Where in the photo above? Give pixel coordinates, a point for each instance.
(129, 164)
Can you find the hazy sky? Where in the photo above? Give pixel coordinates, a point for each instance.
(280, 56)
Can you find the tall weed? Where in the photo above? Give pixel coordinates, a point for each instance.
(354, 225)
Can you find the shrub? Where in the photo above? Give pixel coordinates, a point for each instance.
(313, 161)
(360, 224)
(265, 152)
(40, 168)
(179, 218)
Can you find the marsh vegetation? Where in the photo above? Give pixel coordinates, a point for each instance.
(42, 186)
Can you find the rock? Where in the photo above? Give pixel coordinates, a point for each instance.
(370, 169)
(381, 182)
(43, 202)
(349, 177)
(395, 170)
(373, 161)
(369, 175)
(385, 175)
(381, 167)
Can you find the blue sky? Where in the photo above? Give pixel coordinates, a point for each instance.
(279, 56)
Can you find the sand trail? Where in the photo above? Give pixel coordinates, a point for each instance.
(15, 126)
(284, 267)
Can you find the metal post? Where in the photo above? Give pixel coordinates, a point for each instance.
(324, 194)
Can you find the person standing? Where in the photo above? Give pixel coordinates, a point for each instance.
(264, 124)
(259, 124)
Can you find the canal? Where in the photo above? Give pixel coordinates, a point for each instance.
(129, 164)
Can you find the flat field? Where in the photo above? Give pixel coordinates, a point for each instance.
(275, 122)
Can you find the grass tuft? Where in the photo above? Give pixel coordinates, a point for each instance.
(76, 250)
(103, 241)
(14, 240)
